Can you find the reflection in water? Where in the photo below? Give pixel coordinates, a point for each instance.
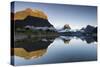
(88, 40)
(66, 40)
(32, 47)
(29, 55)
(36, 50)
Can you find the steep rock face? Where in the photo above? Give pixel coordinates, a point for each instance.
(66, 26)
(33, 21)
(29, 12)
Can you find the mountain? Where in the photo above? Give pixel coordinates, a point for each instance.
(90, 29)
(33, 21)
(30, 17)
(95, 30)
(65, 28)
(20, 15)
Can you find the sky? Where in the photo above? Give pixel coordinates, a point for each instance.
(77, 16)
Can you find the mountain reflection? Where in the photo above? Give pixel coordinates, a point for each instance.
(89, 40)
(29, 55)
(36, 47)
(66, 40)
(32, 47)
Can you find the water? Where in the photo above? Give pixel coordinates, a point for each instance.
(44, 50)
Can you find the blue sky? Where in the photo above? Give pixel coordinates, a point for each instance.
(59, 15)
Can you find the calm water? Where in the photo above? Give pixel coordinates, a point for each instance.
(54, 50)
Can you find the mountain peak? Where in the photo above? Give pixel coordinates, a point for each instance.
(28, 10)
(66, 26)
(20, 15)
